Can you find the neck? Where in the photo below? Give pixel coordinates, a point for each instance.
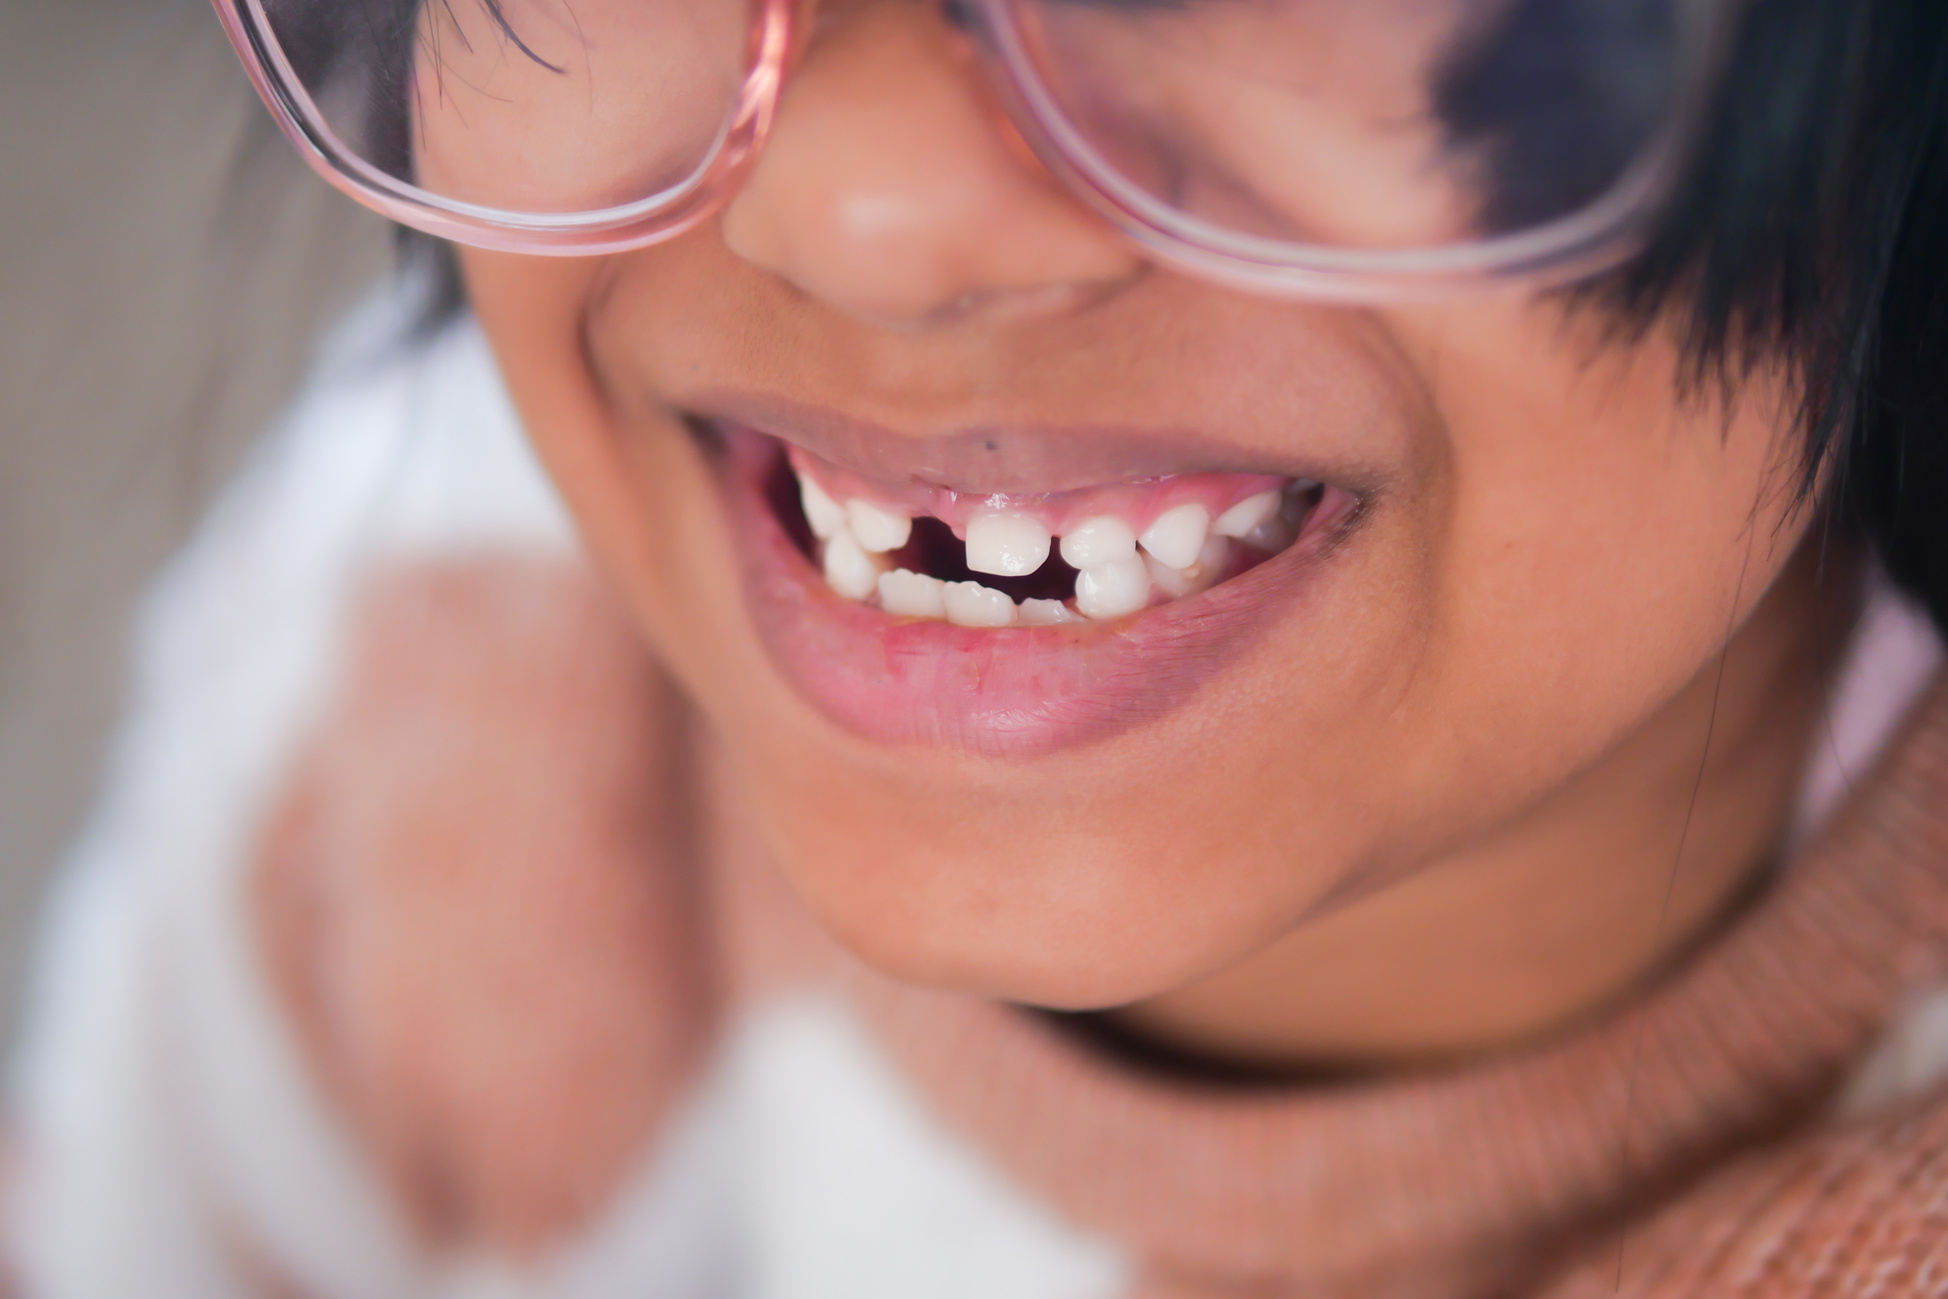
(1588, 893)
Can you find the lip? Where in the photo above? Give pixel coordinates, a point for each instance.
(1009, 693)
(980, 459)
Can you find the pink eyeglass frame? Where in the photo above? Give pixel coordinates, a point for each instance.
(1570, 248)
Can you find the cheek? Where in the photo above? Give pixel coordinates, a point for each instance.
(1604, 536)
(558, 107)
(638, 491)
(1565, 551)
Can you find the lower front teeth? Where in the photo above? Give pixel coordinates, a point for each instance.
(1111, 590)
(907, 594)
(969, 604)
(1047, 613)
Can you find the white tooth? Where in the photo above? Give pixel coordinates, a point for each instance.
(825, 515)
(1178, 534)
(1215, 555)
(849, 570)
(1282, 528)
(1098, 541)
(1047, 613)
(969, 604)
(1240, 519)
(877, 530)
(1173, 582)
(1111, 590)
(1180, 582)
(907, 594)
(1007, 545)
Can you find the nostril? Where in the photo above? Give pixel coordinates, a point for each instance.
(960, 15)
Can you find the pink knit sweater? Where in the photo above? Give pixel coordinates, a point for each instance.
(1683, 1144)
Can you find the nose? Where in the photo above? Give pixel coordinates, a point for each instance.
(887, 193)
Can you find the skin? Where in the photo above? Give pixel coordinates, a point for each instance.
(1457, 796)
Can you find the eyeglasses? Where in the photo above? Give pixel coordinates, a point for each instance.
(1350, 150)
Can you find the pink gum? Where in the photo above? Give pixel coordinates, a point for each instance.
(1136, 503)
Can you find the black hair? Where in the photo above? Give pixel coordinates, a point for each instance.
(1813, 227)
(1810, 226)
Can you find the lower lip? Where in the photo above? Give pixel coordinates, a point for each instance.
(1015, 692)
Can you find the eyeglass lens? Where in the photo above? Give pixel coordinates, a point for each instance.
(1368, 124)
(533, 106)
(1362, 124)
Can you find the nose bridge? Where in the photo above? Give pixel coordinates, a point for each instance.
(886, 190)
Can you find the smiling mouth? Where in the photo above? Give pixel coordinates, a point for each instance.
(1005, 560)
(1011, 623)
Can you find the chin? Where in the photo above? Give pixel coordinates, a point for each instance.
(1085, 923)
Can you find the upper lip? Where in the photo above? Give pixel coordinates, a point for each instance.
(983, 460)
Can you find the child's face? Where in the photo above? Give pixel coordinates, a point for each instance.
(1526, 544)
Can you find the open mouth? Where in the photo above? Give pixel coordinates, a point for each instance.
(1011, 622)
(1043, 560)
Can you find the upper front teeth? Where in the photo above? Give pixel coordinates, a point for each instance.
(1007, 545)
(1247, 515)
(1177, 535)
(877, 530)
(1098, 541)
(826, 515)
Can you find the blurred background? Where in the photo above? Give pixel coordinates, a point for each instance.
(166, 264)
